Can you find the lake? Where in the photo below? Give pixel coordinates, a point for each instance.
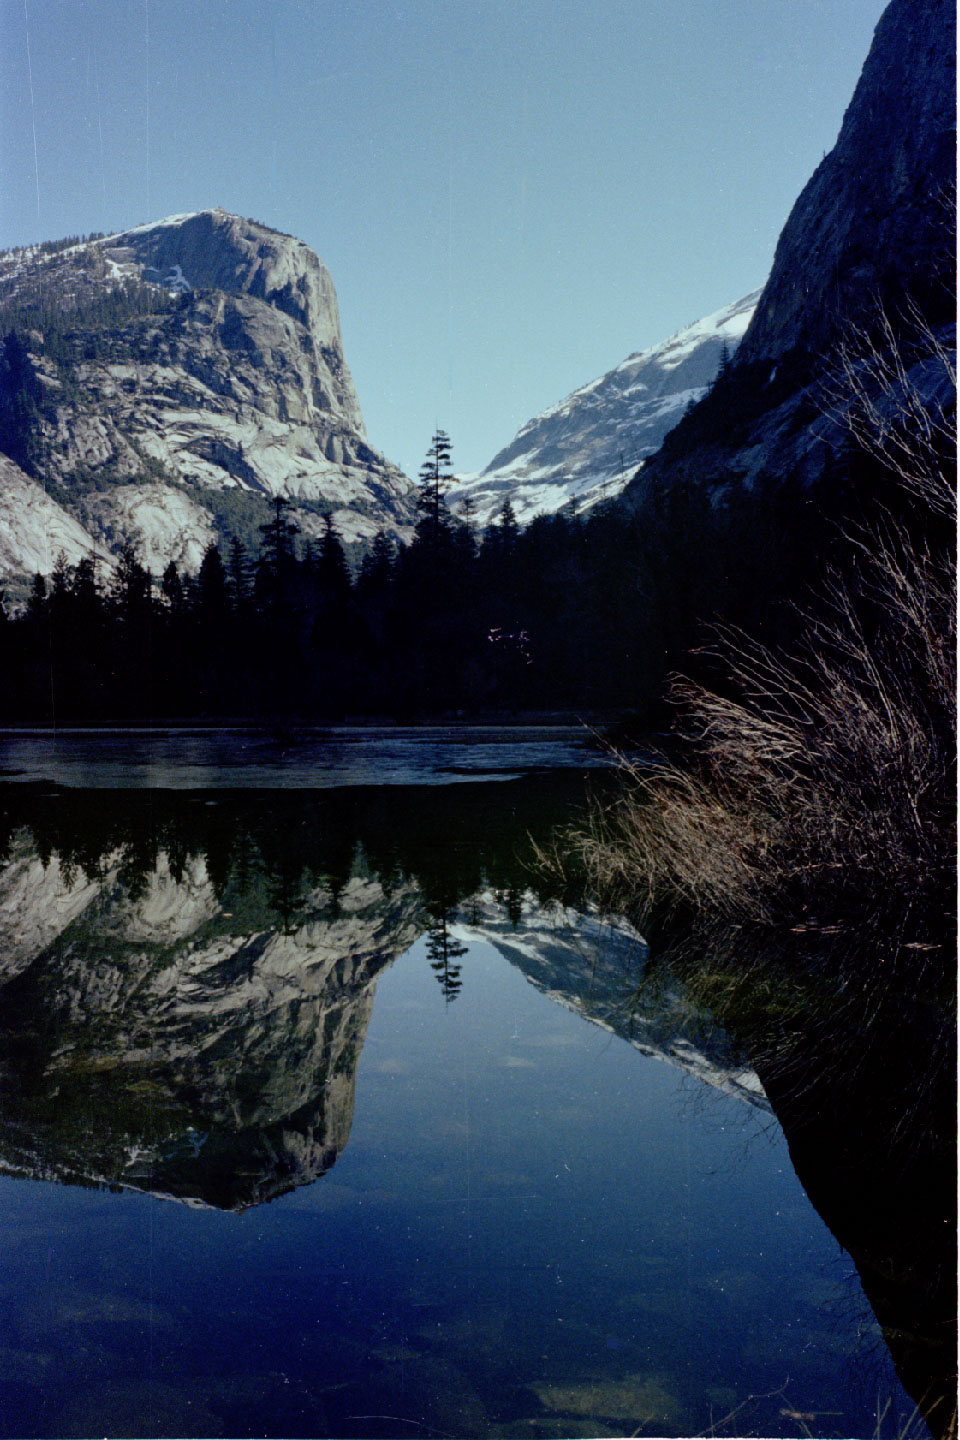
(291, 758)
(325, 1113)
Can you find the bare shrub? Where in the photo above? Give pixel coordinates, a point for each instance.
(817, 793)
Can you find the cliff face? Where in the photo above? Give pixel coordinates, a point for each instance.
(165, 382)
(873, 228)
(217, 251)
(162, 1027)
(873, 222)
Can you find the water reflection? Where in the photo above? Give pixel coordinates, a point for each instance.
(188, 983)
(185, 987)
(856, 1052)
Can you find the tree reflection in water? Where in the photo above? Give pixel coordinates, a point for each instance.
(186, 980)
(186, 984)
(443, 952)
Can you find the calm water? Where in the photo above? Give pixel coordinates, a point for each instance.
(323, 1116)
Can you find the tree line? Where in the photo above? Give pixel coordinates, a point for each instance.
(565, 613)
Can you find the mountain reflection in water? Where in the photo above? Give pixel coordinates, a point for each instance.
(186, 987)
(187, 984)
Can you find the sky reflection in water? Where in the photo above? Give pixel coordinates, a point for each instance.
(502, 1208)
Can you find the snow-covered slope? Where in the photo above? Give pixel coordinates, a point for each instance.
(584, 449)
(166, 382)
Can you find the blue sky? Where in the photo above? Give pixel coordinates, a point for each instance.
(511, 195)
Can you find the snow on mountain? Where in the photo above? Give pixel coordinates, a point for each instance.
(168, 381)
(585, 448)
(873, 232)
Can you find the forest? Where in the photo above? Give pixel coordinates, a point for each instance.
(566, 614)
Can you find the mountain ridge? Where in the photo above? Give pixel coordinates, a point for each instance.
(583, 449)
(869, 239)
(165, 383)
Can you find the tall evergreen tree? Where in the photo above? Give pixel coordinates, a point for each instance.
(238, 568)
(278, 549)
(212, 601)
(331, 569)
(436, 475)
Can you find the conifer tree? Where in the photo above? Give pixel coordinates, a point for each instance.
(212, 602)
(277, 560)
(279, 536)
(171, 587)
(239, 576)
(376, 569)
(332, 571)
(37, 604)
(444, 952)
(436, 475)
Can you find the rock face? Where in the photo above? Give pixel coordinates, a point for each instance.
(874, 227)
(169, 380)
(873, 221)
(34, 529)
(584, 449)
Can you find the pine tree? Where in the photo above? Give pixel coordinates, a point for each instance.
(37, 604)
(509, 529)
(132, 587)
(239, 576)
(171, 587)
(211, 588)
(279, 536)
(376, 569)
(444, 952)
(436, 475)
(331, 569)
(277, 562)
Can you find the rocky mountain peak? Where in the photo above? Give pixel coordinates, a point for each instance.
(161, 385)
(582, 450)
(874, 228)
(214, 250)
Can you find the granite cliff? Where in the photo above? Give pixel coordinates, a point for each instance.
(213, 1058)
(163, 384)
(871, 234)
(171, 1025)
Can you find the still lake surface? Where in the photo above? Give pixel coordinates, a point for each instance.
(323, 1114)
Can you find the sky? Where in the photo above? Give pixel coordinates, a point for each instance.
(510, 195)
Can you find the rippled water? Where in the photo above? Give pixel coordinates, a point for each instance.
(320, 759)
